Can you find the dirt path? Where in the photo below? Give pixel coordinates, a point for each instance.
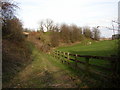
(44, 71)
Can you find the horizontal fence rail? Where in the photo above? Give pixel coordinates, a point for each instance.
(89, 56)
(66, 57)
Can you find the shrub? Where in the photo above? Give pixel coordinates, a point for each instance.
(54, 39)
(12, 30)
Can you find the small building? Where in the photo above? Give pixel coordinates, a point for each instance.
(116, 36)
(26, 34)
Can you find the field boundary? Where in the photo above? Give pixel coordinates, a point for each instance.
(66, 57)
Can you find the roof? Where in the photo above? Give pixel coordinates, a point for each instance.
(26, 33)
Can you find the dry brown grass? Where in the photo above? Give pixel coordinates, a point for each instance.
(14, 56)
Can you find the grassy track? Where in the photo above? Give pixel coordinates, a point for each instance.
(43, 72)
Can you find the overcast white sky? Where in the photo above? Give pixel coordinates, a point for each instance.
(80, 12)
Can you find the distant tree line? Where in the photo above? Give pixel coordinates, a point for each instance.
(67, 33)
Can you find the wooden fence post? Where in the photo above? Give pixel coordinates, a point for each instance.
(68, 57)
(87, 65)
(53, 54)
(117, 66)
(63, 56)
(58, 54)
(76, 61)
(115, 70)
(114, 64)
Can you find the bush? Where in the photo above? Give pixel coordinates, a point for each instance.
(65, 33)
(54, 39)
(12, 30)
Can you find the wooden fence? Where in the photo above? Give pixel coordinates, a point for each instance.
(66, 57)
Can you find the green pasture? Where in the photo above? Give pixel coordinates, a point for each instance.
(96, 48)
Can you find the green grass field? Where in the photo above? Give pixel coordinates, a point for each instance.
(100, 48)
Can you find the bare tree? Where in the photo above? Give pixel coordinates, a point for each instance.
(87, 32)
(11, 25)
(75, 34)
(55, 38)
(8, 9)
(56, 28)
(65, 33)
(96, 34)
(41, 27)
(49, 24)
